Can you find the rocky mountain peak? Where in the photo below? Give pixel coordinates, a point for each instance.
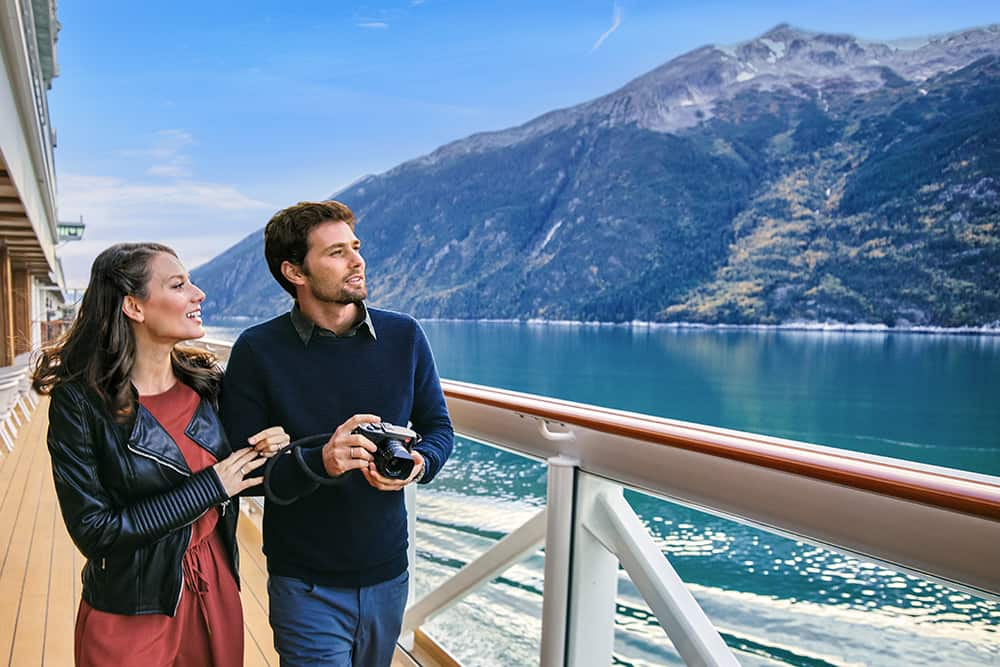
(785, 47)
(685, 91)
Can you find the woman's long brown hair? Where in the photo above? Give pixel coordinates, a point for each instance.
(99, 349)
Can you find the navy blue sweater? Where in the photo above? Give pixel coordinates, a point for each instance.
(344, 532)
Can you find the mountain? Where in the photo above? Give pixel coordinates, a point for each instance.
(796, 176)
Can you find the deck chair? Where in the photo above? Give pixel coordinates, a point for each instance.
(8, 399)
(28, 394)
(20, 375)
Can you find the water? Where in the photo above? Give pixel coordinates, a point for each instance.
(928, 398)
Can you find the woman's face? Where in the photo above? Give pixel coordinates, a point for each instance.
(171, 310)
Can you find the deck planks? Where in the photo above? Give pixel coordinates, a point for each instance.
(40, 567)
(18, 518)
(29, 634)
(253, 576)
(64, 598)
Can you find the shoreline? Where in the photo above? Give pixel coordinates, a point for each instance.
(822, 327)
(803, 326)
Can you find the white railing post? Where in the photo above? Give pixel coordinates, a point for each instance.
(558, 559)
(593, 583)
(581, 575)
(410, 499)
(613, 521)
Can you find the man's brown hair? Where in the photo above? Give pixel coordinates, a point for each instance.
(286, 236)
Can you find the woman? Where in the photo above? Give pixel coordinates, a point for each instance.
(143, 471)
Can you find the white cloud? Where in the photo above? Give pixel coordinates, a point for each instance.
(176, 138)
(174, 169)
(198, 219)
(166, 144)
(378, 25)
(124, 199)
(616, 20)
(167, 153)
(193, 251)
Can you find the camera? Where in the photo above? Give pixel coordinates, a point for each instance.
(394, 443)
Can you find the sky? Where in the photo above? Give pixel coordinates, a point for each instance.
(191, 123)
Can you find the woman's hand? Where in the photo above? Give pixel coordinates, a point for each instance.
(233, 470)
(268, 442)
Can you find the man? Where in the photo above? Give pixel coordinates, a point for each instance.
(334, 529)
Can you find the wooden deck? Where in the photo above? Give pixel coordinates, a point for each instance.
(40, 567)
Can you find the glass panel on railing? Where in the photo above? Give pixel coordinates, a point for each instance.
(778, 601)
(482, 495)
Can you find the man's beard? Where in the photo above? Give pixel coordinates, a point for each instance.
(340, 295)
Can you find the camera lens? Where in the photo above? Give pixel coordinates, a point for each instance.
(397, 462)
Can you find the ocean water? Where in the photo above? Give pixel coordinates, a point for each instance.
(923, 397)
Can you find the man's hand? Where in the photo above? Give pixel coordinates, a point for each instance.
(384, 483)
(345, 451)
(269, 441)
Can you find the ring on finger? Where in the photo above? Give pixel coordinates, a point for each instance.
(353, 456)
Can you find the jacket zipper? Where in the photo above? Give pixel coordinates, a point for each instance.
(180, 569)
(158, 460)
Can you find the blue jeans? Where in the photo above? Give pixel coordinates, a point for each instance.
(341, 627)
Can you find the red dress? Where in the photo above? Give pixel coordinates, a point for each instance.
(207, 629)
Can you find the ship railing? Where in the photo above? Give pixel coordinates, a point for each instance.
(933, 522)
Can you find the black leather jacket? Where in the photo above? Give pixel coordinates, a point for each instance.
(128, 499)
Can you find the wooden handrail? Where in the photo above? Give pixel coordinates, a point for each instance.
(943, 488)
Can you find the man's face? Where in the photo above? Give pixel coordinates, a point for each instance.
(333, 267)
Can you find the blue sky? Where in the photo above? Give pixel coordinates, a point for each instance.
(190, 122)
